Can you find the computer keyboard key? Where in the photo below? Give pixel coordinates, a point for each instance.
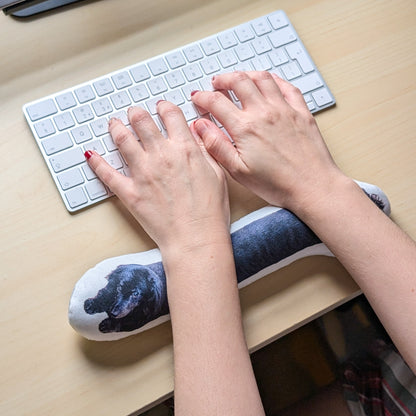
(210, 46)
(66, 100)
(227, 59)
(139, 92)
(158, 66)
(88, 172)
(95, 145)
(175, 79)
(244, 51)
(64, 121)
(261, 26)
(175, 97)
(95, 189)
(261, 63)
(114, 160)
(103, 86)
(70, 178)
(120, 100)
(175, 59)
(192, 72)
(188, 88)
(76, 197)
(102, 106)
(140, 73)
(244, 32)
(210, 65)
(99, 126)
(206, 84)
(121, 115)
(322, 97)
(84, 94)
(121, 80)
(261, 45)
(81, 134)
(296, 52)
(157, 85)
(151, 104)
(308, 83)
(291, 71)
(67, 159)
(189, 111)
(227, 39)
(41, 109)
(282, 37)
(193, 53)
(278, 20)
(57, 143)
(109, 144)
(44, 128)
(83, 113)
(278, 57)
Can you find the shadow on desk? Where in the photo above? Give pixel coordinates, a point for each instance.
(129, 350)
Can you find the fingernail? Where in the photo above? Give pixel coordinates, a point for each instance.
(157, 103)
(213, 78)
(200, 126)
(111, 121)
(129, 109)
(88, 154)
(194, 92)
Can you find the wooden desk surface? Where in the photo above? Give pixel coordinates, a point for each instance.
(365, 51)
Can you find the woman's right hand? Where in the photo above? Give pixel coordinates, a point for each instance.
(278, 150)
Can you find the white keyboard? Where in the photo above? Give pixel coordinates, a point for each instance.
(68, 123)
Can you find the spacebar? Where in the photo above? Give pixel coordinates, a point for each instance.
(308, 83)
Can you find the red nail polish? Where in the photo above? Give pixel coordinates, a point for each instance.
(88, 154)
(194, 92)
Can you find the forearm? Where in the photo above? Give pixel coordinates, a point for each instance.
(213, 373)
(378, 255)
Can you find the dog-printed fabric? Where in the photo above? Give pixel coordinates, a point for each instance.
(125, 295)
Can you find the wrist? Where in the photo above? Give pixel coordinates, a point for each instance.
(194, 238)
(318, 200)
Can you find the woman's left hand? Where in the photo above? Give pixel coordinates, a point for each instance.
(176, 190)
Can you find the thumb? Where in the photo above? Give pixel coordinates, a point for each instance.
(217, 143)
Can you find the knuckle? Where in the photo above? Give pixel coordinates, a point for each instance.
(139, 116)
(264, 75)
(240, 76)
(169, 110)
(121, 136)
(214, 98)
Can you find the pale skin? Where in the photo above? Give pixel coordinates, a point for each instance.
(279, 154)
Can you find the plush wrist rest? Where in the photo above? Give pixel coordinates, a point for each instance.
(125, 295)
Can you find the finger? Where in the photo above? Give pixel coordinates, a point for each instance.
(266, 84)
(291, 94)
(241, 84)
(124, 139)
(145, 127)
(221, 107)
(217, 144)
(204, 150)
(174, 121)
(111, 177)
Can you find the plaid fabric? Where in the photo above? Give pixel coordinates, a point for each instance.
(380, 385)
